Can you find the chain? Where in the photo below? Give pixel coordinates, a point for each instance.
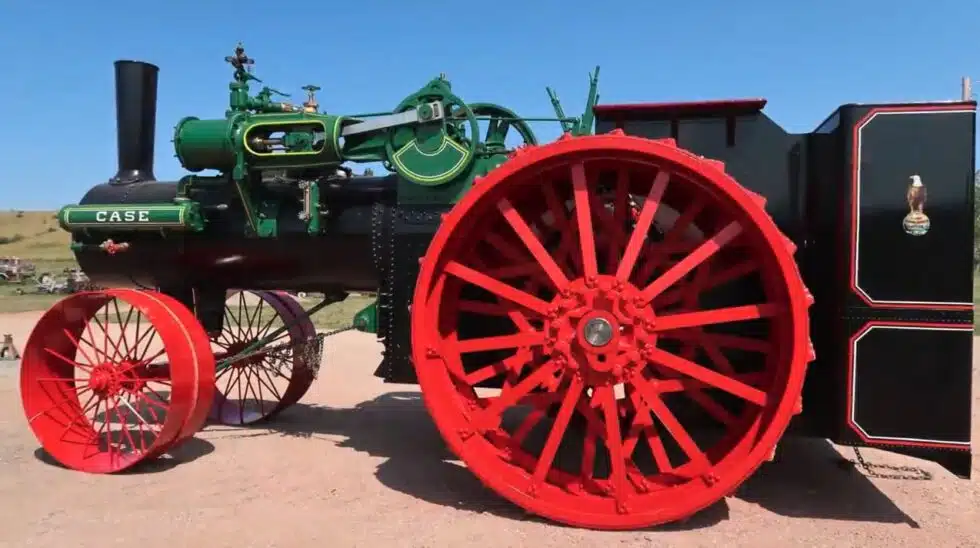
(898, 472)
(309, 351)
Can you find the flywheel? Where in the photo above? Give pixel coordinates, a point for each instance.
(610, 331)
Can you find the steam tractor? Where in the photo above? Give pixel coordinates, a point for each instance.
(612, 330)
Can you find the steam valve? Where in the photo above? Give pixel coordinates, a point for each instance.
(311, 104)
(242, 63)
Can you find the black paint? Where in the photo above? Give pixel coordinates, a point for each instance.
(807, 182)
(896, 266)
(905, 378)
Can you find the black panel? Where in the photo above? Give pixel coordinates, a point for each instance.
(909, 383)
(755, 150)
(411, 230)
(913, 386)
(933, 263)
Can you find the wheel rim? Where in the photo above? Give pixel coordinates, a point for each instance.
(264, 383)
(611, 338)
(109, 379)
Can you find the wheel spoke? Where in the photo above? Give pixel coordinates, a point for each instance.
(558, 429)
(496, 287)
(707, 376)
(643, 224)
(533, 244)
(698, 256)
(701, 318)
(643, 423)
(614, 442)
(493, 412)
(503, 342)
(717, 279)
(583, 216)
(655, 404)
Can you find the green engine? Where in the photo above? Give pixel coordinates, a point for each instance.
(431, 141)
(269, 202)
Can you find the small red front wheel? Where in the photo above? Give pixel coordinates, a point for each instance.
(112, 378)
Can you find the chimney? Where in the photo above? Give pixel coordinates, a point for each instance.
(136, 106)
(967, 89)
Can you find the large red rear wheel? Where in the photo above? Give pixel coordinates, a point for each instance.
(112, 378)
(610, 331)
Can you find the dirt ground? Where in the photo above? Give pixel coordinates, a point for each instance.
(358, 463)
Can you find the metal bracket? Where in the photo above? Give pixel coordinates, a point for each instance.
(424, 113)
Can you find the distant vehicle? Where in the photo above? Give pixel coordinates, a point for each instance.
(16, 270)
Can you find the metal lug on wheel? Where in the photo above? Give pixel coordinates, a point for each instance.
(709, 479)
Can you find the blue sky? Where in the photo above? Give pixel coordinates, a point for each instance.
(56, 90)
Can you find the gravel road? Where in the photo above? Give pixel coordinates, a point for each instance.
(358, 463)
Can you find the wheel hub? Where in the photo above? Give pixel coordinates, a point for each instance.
(105, 380)
(596, 329)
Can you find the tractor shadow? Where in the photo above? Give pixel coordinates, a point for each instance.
(807, 481)
(125, 439)
(188, 451)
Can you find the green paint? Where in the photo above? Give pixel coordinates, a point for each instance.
(431, 139)
(366, 319)
(178, 217)
(434, 153)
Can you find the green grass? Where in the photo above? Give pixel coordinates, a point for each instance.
(33, 235)
(976, 301)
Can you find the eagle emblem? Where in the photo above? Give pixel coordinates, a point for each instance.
(916, 223)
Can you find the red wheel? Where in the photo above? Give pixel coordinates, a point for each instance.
(602, 368)
(111, 378)
(272, 378)
(197, 417)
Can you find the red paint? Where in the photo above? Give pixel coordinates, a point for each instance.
(59, 405)
(505, 203)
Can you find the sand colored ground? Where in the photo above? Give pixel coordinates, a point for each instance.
(358, 463)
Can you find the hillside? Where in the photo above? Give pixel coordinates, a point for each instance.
(33, 235)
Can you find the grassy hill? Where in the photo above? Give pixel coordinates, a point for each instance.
(33, 235)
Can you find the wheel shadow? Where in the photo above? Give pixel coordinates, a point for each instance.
(188, 451)
(808, 480)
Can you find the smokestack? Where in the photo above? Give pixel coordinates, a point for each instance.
(136, 112)
(967, 89)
